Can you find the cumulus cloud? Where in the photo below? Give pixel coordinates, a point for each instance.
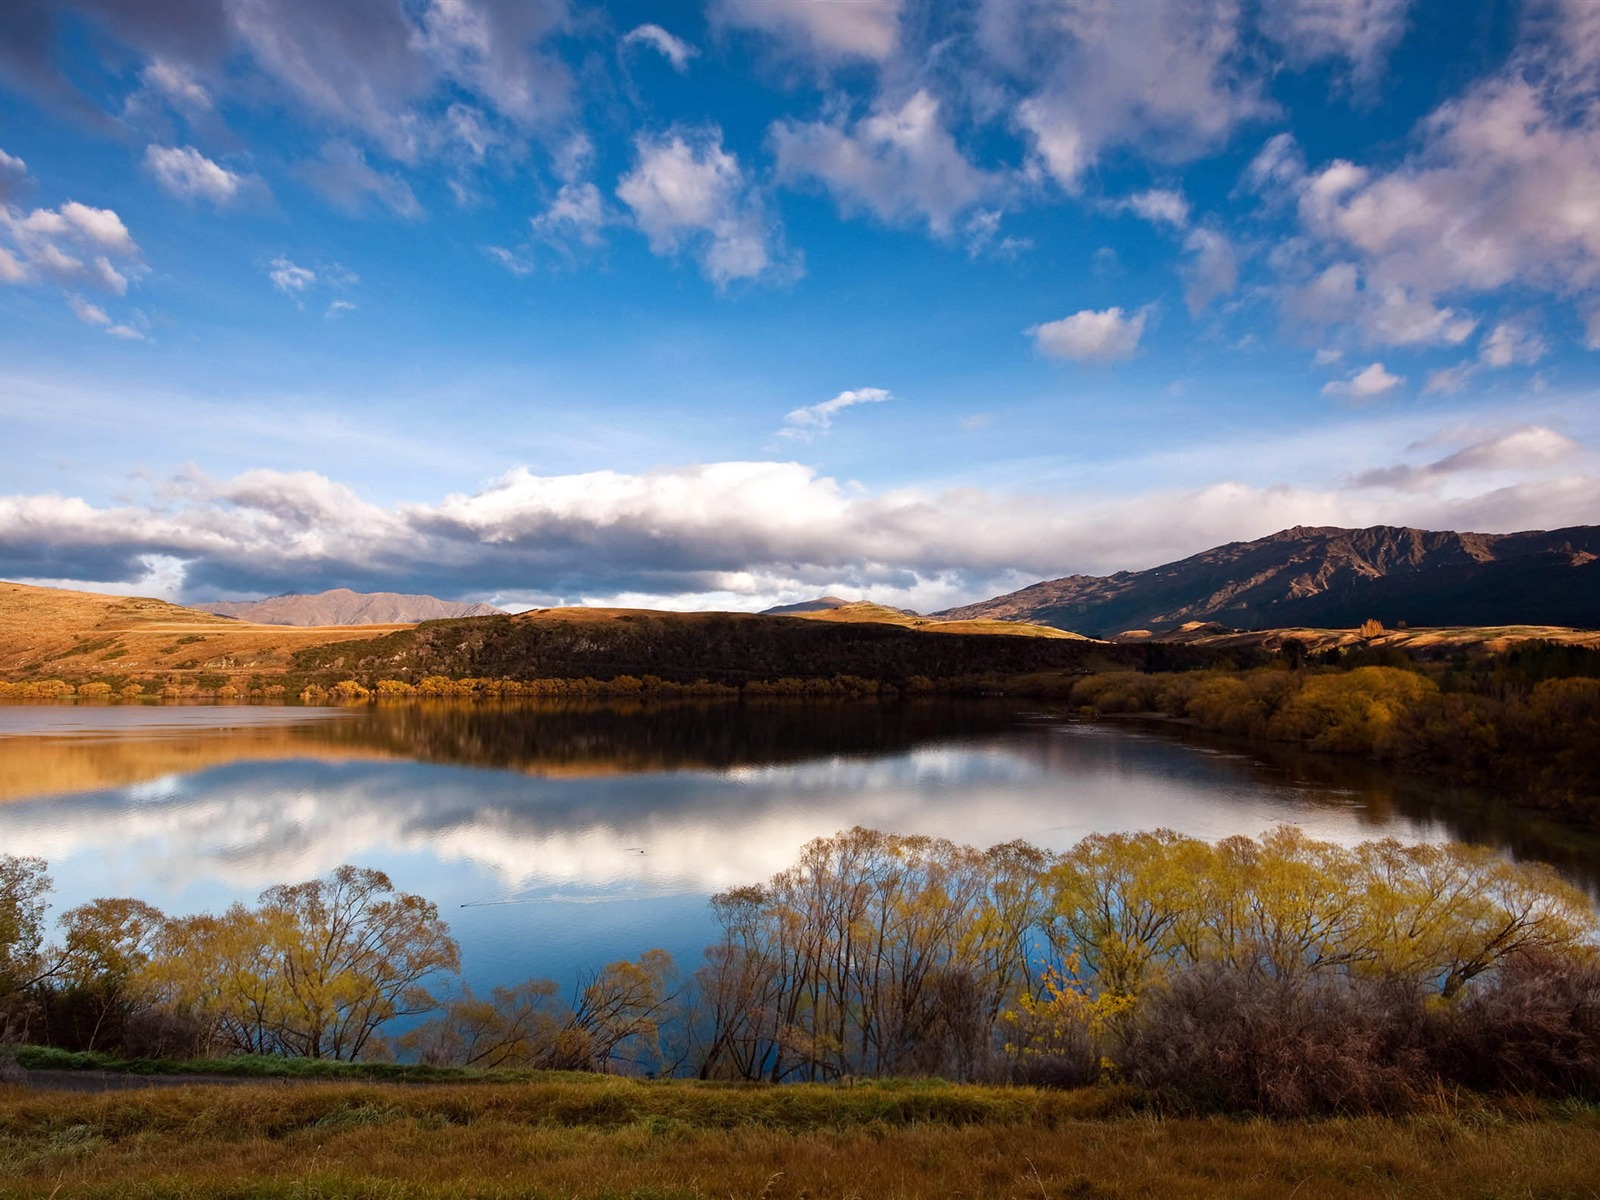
(674, 49)
(805, 423)
(1527, 448)
(686, 191)
(1363, 32)
(898, 163)
(1502, 191)
(1159, 206)
(1366, 384)
(823, 30)
(1168, 79)
(577, 214)
(190, 175)
(748, 532)
(72, 247)
(1089, 336)
(1384, 316)
(1511, 343)
(89, 314)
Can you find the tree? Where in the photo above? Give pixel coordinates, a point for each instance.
(24, 884)
(314, 971)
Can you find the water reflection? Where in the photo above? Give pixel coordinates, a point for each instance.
(556, 838)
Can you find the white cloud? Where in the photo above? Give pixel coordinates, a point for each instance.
(1591, 330)
(576, 214)
(1385, 316)
(1503, 189)
(491, 48)
(71, 246)
(677, 51)
(1168, 80)
(290, 279)
(1159, 206)
(1366, 384)
(128, 333)
(518, 264)
(1212, 269)
(982, 236)
(899, 164)
(805, 423)
(1362, 31)
(13, 176)
(343, 175)
(172, 81)
(1511, 343)
(1527, 448)
(338, 308)
(1106, 336)
(1449, 380)
(89, 314)
(826, 30)
(190, 175)
(685, 190)
(1327, 356)
(761, 530)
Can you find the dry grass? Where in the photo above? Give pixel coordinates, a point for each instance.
(1489, 638)
(877, 614)
(83, 634)
(616, 1138)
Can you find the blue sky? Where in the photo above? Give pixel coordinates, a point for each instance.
(728, 304)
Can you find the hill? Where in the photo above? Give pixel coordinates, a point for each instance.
(883, 615)
(820, 604)
(54, 631)
(725, 648)
(341, 606)
(1332, 578)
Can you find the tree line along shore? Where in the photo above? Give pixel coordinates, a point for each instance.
(1277, 975)
(1523, 722)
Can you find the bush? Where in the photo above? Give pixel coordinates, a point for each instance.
(1233, 1039)
(1535, 1029)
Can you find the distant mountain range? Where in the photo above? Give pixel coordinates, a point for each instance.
(341, 606)
(1332, 578)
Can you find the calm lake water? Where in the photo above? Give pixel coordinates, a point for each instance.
(557, 839)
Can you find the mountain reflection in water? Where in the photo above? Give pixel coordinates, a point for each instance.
(556, 838)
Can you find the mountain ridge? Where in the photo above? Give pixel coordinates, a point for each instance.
(342, 606)
(1329, 576)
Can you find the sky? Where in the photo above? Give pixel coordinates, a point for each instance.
(736, 303)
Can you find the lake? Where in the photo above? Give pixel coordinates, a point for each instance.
(555, 839)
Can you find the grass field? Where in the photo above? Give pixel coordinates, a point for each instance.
(602, 1137)
(85, 634)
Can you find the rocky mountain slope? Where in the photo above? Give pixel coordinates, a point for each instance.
(341, 606)
(1332, 578)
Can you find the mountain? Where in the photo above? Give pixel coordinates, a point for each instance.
(1332, 578)
(820, 604)
(341, 606)
(824, 604)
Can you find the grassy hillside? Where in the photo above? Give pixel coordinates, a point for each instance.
(882, 615)
(76, 635)
(598, 1137)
